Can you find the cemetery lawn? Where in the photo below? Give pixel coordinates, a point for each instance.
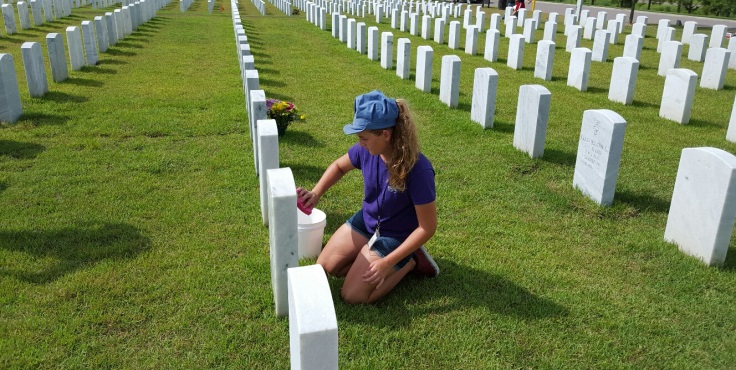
(132, 234)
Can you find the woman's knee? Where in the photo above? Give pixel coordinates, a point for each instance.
(354, 296)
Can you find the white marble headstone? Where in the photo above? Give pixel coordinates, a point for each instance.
(579, 70)
(717, 35)
(688, 31)
(74, 44)
(670, 57)
(9, 19)
(714, 68)
(90, 43)
(600, 46)
(403, 58)
(532, 113)
(450, 80)
(483, 106)
(313, 335)
(425, 56)
(35, 70)
(57, 57)
(360, 38)
(454, 38)
(599, 154)
(731, 133)
(268, 159)
(639, 29)
(573, 39)
(633, 46)
(545, 60)
(426, 27)
(373, 43)
(23, 16)
(112, 35)
(703, 207)
(678, 94)
(10, 105)
(516, 52)
(732, 49)
(439, 31)
(589, 30)
(623, 80)
(101, 33)
(258, 112)
(510, 27)
(351, 36)
(471, 40)
(490, 53)
(698, 47)
(282, 233)
(530, 25)
(662, 26)
(550, 31)
(613, 32)
(387, 50)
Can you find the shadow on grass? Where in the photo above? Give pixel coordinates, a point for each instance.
(501, 126)
(271, 83)
(127, 44)
(559, 157)
(301, 138)
(83, 82)
(98, 70)
(61, 97)
(19, 150)
(304, 173)
(112, 62)
(457, 289)
(702, 123)
(64, 251)
(42, 119)
(116, 52)
(642, 201)
(596, 90)
(641, 104)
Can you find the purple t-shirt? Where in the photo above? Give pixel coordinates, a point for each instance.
(398, 216)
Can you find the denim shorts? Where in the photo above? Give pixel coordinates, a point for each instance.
(383, 245)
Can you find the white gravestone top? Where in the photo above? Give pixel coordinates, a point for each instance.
(703, 206)
(599, 154)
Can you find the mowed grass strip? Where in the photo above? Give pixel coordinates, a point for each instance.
(132, 234)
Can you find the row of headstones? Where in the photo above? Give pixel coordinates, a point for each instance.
(385, 8)
(282, 5)
(623, 78)
(98, 36)
(260, 5)
(41, 10)
(45, 10)
(601, 139)
(302, 293)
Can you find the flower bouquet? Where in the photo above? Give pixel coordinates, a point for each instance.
(284, 113)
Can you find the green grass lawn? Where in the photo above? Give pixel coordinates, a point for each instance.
(132, 235)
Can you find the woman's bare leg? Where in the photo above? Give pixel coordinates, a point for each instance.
(355, 291)
(341, 250)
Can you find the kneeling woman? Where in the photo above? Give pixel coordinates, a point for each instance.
(384, 240)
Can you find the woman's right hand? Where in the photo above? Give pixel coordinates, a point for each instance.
(308, 198)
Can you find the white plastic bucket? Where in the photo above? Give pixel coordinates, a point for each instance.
(311, 229)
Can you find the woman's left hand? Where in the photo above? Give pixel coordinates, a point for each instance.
(377, 272)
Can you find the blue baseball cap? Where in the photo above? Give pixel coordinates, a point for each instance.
(373, 111)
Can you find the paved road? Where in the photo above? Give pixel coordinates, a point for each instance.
(653, 17)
